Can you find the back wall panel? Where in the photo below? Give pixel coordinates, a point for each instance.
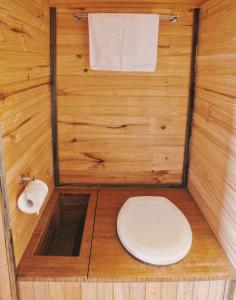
(116, 127)
(212, 174)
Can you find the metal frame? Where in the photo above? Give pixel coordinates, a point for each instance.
(53, 67)
(191, 97)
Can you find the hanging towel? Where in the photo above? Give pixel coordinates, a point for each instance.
(123, 42)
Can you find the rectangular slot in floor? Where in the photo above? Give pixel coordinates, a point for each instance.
(64, 233)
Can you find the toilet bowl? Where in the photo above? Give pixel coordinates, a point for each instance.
(154, 230)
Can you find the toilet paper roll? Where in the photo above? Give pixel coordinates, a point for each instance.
(32, 197)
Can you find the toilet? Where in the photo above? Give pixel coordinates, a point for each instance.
(154, 230)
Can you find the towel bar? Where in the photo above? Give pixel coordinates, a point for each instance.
(170, 18)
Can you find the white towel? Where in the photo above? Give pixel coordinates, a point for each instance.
(123, 42)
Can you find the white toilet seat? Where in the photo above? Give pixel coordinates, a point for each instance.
(154, 230)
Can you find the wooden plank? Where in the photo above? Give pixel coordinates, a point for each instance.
(73, 291)
(214, 290)
(185, 290)
(8, 289)
(41, 290)
(137, 291)
(217, 290)
(26, 290)
(161, 3)
(153, 291)
(121, 291)
(105, 291)
(201, 290)
(57, 291)
(5, 279)
(169, 290)
(230, 290)
(25, 106)
(89, 291)
(83, 127)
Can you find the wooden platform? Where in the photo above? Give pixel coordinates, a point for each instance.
(37, 267)
(109, 261)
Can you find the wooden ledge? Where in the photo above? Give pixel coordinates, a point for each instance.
(110, 261)
(107, 260)
(70, 268)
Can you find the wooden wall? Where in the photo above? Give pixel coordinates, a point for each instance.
(6, 276)
(198, 290)
(25, 104)
(121, 127)
(212, 174)
(173, 4)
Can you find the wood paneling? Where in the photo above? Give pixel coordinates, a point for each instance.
(212, 174)
(191, 290)
(119, 127)
(25, 104)
(8, 289)
(161, 3)
(6, 277)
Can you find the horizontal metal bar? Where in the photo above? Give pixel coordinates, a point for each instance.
(24, 179)
(170, 18)
(120, 185)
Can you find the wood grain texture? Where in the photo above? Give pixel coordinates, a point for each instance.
(161, 3)
(122, 127)
(70, 268)
(212, 173)
(5, 278)
(41, 290)
(202, 290)
(111, 262)
(25, 105)
(8, 289)
(113, 274)
(102, 257)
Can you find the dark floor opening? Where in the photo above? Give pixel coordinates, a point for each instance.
(64, 233)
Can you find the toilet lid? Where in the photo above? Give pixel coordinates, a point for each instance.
(154, 230)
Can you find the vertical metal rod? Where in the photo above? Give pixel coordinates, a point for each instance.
(53, 54)
(191, 97)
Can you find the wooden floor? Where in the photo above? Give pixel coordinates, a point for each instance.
(109, 261)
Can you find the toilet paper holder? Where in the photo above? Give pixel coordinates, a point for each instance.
(32, 196)
(23, 179)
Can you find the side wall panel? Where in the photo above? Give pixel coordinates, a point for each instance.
(212, 174)
(25, 113)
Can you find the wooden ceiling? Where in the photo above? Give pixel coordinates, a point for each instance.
(162, 3)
